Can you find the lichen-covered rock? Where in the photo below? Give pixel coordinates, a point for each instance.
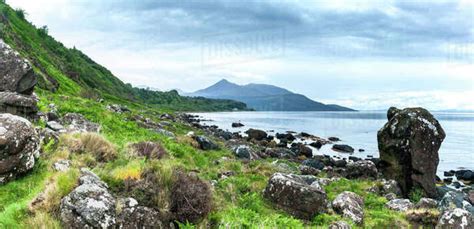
(205, 143)
(280, 153)
(301, 150)
(16, 74)
(90, 205)
(426, 203)
(132, 216)
(76, 123)
(18, 104)
(408, 145)
(457, 219)
(361, 169)
(390, 186)
(19, 147)
(340, 225)
(299, 195)
(455, 199)
(55, 126)
(243, 152)
(399, 204)
(349, 205)
(308, 170)
(62, 165)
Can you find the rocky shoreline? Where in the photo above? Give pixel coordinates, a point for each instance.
(408, 144)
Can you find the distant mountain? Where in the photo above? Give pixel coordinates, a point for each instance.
(264, 97)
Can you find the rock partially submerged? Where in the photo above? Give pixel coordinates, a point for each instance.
(343, 148)
(19, 147)
(299, 195)
(408, 145)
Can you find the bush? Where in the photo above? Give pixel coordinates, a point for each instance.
(190, 198)
(149, 150)
(92, 143)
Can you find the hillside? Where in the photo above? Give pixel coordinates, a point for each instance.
(69, 71)
(265, 97)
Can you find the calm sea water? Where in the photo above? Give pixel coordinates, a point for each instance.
(358, 129)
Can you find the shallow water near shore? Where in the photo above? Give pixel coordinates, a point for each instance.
(357, 129)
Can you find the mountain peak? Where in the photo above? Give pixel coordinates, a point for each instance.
(223, 81)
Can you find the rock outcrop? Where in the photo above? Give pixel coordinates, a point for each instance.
(19, 146)
(299, 195)
(400, 205)
(90, 205)
(456, 218)
(408, 145)
(17, 81)
(349, 205)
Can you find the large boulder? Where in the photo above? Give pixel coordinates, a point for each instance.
(18, 104)
(457, 219)
(90, 205)
(16, 74)
(17, 81)
(361, 169)
(455, 199)
(19, 146)
(205, 143)
(299, 195)
(256, 134)
(408, 145)
(349, 205)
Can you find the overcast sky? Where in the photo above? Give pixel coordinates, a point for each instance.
(362, 54)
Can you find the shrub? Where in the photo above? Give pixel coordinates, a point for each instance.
(190, 198)
(92, 143)
(149, 150)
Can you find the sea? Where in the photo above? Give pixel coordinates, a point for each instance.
(357, 129)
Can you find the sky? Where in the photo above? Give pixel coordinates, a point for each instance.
(362, 54)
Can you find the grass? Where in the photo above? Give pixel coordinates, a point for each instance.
(236, 201)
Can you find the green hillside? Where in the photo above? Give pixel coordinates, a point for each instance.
(69, 71)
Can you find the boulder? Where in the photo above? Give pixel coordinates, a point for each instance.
(243, 152)
(455, 199)
(18, 104)
(316, 144)
(313, 163)
(426, 203)
(300, 149)
(299, 195)
(76, 123)
(390, 186)
(343, 148)
(205, 143)
(399, 205)
(165, 132)
(307, 170)
(19, 147)
(16, 73)
(237, 124)
(289, 137)
(408, 145)
(361, 169)
(339, 225)
(280, 153)
(256, 134)
(118, 108)
(349, 205)
(90, 205)
(55, 126)
(334, 139)
(132, 216)
(456, 218)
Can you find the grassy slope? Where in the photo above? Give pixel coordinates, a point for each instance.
(76, 74)
(237, 199)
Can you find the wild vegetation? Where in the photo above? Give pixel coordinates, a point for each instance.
(167, 169)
